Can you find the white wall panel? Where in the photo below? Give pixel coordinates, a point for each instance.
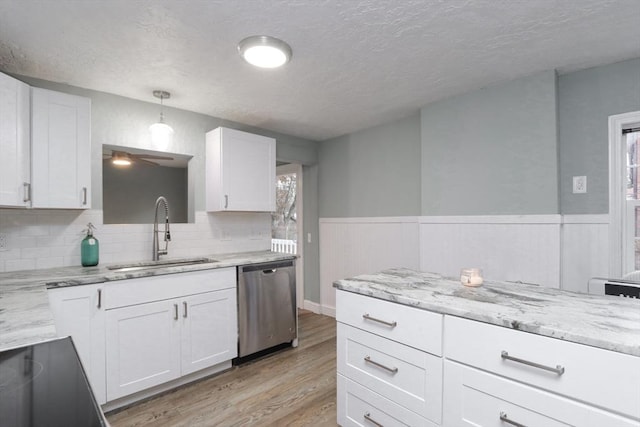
(585, 250)
(516, 248)
(352, 246)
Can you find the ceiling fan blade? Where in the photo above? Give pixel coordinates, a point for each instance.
(150, 156)
(147, 162)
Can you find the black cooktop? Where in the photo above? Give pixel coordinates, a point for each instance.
(44, 385)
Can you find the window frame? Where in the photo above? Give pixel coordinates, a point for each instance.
(618, 206)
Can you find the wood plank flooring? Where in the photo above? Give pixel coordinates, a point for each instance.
(294, 387)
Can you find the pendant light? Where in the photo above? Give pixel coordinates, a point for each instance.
(161, 133)
(264, 51)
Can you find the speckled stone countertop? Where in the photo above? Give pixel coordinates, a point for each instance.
(25, 315)
(608, 322)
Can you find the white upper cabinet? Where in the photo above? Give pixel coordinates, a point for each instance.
(240, 171)
(61, 150)
(14, 142)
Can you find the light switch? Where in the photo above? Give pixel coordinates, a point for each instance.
(579, 184)
(308, 237)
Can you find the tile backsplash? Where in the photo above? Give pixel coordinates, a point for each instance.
(36, 239)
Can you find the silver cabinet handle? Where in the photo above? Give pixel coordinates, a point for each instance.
(367, 416)
(226, 201)
(175, 315)
(99, 298)
(384, 322)
(559, 369)
(393, 370)
(184, 304)
(84, 195)
(27, 192)
(505, 419)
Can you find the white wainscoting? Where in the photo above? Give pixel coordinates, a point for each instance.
(550, 250)
(352, 246)
(507, 247)
(585, 250)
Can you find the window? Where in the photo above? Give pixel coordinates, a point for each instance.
(624, 193)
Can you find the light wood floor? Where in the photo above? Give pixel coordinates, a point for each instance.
(294, 387)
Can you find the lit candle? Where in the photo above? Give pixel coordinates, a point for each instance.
(471, 276)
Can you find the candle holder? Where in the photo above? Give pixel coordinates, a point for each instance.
(471, 277)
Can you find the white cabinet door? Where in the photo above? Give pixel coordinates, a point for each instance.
(143, 347)
(61, 150)
(78, 312)
(209, 329)
(14, 142)
(240, 171)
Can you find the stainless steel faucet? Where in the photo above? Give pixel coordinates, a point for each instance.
(167, 234)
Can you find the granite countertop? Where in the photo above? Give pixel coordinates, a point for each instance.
(608, 322)
(25, 315)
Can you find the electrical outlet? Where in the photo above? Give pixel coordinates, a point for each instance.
(3, 242)
(579, 184)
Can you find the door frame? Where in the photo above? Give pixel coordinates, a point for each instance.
(297, 169)
(617, 227)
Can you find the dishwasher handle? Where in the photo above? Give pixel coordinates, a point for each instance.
(269, 271)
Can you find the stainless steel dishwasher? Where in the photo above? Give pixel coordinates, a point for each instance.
(267, 315)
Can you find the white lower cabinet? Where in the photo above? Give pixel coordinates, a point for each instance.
(135, 334)
(151, 343)
(384, 375)
(486, 375)
(78, 312)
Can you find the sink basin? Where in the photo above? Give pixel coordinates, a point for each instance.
(159, 264)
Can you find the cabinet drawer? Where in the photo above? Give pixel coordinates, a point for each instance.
(123, 293)
(356, 402)
(476, 398)
(411, 326)
(405, 375)
(600, 377)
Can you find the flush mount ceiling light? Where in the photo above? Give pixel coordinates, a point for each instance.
(264, 51)
(161, 133)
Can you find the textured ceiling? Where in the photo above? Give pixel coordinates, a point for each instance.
(355, 63)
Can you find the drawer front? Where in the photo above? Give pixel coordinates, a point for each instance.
(407, 325)
(405, 375)
(122, 293)
(605, 378)
(359, 406)
(476, 398)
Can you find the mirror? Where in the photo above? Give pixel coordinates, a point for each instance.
(129, 192)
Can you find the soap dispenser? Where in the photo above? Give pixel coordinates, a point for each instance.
(89, 248)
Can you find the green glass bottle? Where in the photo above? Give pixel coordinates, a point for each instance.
(89, 248)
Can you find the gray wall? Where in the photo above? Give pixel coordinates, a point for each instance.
(374, 172)
(130, 193)
(586, 100)
(492, 151)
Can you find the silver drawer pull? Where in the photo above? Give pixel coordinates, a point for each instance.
(367, 416)
(505, 419)
(559, 369)
(380, 365)
(175, 313)
(384, 322)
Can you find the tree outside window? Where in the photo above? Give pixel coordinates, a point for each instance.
(284, 220)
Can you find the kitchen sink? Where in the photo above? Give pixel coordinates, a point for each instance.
(159, 264)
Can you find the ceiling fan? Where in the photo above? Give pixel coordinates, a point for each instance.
(122, 158)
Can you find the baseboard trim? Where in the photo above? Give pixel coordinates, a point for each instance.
(319, 309)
